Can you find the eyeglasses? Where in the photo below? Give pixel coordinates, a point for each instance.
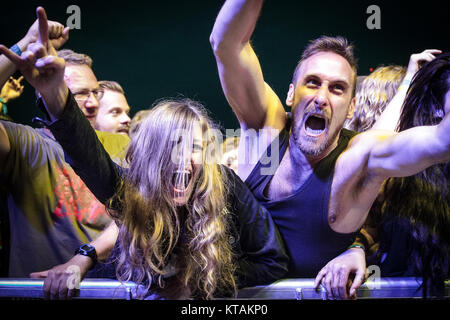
(83, 96)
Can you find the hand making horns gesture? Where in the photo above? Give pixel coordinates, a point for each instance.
(41, 66)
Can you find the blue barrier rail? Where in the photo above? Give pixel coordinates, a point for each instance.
(286, 289)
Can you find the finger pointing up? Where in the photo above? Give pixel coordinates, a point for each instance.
(43, 26)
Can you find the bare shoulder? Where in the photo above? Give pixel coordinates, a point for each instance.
(352, 172)
(369, 138)
(253, 145)
(361, 145)
(354, 187)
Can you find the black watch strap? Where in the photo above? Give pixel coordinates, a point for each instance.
(88, 251)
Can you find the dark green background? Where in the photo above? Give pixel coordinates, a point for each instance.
(161, 49)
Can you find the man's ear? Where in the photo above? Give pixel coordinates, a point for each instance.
(290, 95)
(351, 108)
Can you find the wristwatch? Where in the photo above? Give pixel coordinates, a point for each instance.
(88, 251)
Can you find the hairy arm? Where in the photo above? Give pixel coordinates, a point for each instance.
(374, 156)
(411, 151)
(253, 101)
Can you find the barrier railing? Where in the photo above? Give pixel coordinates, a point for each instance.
(303, 289)
(287, 289)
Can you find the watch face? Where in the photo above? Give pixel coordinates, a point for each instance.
(86, 247)
(89, 251)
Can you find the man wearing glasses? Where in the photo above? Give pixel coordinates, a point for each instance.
(82, 82)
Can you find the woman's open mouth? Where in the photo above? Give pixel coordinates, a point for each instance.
(181, 180)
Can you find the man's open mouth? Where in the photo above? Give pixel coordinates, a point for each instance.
(315, 124)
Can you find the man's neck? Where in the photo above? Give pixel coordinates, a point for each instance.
(295, 168)
(302, 161)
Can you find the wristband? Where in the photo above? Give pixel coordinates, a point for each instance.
(357, 246)
(15, 48)
(3, 108)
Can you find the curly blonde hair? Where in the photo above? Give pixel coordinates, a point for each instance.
(176, 251)
(374, 94)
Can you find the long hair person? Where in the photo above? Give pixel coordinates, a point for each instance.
(418, 207)
(188, 227)
(151, 226)
(373, 95)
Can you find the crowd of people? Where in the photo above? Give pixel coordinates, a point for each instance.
(351, 175)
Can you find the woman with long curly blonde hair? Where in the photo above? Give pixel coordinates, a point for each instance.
(188, 227)
(374, 94)
(158, 188)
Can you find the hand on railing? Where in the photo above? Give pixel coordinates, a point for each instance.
(343, 275)
(60, 282)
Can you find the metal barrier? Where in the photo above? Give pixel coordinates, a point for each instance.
(89, 289)
(303, 289)
(287, 289)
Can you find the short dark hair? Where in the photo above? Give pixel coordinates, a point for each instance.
(338, 45)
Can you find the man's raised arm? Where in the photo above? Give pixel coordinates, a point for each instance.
(411, 151)
(389, 118)
(252, 100)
